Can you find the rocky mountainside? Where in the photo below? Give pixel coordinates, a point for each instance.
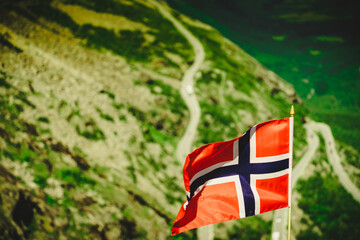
(91, 115)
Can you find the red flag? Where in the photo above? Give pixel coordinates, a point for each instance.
(242, 177)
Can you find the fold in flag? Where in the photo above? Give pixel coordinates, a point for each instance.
(242, 177)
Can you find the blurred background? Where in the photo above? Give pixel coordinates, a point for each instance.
(313, 45)
(95, 103)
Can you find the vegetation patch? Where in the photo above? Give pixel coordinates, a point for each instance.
(5, 42)
(74, 176)
(344, 125)
(252, 227)
(108, 93)
(174, 101)
(216, 126)
(127, 43)
(3, 80)
(156, 127)
(319, 196)
(91, 131)
(352, 157)
(325, 38)
(41, 173)
(279, 38)
(105, 116)
(175, 193)
(43, 119)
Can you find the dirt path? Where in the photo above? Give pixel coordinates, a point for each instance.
(280, 219)
(185, 145)
(335, 160)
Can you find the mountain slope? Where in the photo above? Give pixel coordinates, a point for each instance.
(311, 44)
(91, 115)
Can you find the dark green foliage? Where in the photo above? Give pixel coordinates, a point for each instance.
(151, 134)
(187, 235)
(91, 131)
(43, 119)
(132, 172)
(74, 176)
(50, 201)
(352, 158)
(138, 114)
(105, 115)
(210, 76)
(165, 89)
(250, 228)
(5, 42)
(93, 134)
(344, 125)
(21, 153)
(221, 118)
(125, 43)
(122, 117)
(44, 10)
(308, 235)
(153, 131)
(41, 174)
(14, 109)
(175, 193)
(130, 231)
(136, 12)
(118, 105)
(3, 82)
(321, 87)
(175, 101)
(330, 208)
(109, 94)
(241, 104)
(220, 130)
(22, 96)
(73, 113)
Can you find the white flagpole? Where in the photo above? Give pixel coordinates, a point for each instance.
(292, 113)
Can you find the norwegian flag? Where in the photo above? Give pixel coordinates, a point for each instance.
(242, 177)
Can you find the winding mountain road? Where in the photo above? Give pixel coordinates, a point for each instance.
(185, 144)
(335, 160)
(279, 229)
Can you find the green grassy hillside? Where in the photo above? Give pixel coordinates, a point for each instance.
(320, 191)
(91, 115)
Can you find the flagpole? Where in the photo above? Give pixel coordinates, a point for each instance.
(292, 113)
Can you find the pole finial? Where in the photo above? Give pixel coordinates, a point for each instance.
(292, 111)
